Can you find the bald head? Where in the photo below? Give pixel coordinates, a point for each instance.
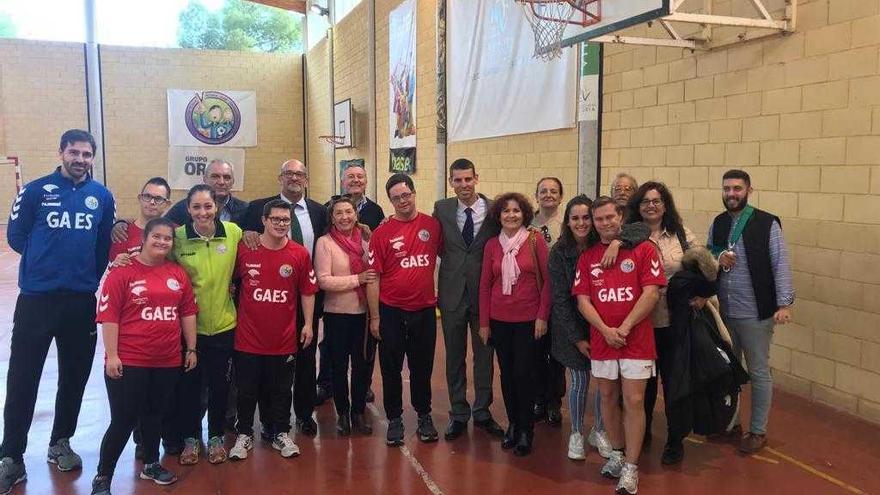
(294, 179)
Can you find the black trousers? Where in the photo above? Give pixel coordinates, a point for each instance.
(549, 374)
(515, 344)
(304, 379)
(141, 396)
(325, 363)
(678, 415)
(260, 376)
(349, 340)
(212, 376)
(411, 335)
(69, 318)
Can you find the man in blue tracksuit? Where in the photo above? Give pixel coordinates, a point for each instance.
(60, 224)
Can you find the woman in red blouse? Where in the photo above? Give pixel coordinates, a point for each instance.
(514, 308)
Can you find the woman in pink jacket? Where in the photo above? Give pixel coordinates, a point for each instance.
(341, 267)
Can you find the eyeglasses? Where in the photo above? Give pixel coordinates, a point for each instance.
(154, 200)
(402, 197)
(620, 189)
(651, 202)
(280, 221)
(289, 174)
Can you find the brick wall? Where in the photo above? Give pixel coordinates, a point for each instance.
(319, 113)
(802, 115)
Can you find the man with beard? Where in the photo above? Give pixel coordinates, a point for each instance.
(623, 187)
(60, 224)
(755, 290)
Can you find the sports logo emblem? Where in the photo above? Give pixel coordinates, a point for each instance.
(49, 187)
(221, 248)
(253, 272)
(655, 268)
(138, 290)
(424, 235)
(104, 304)
(285, 270)
(577, 277)
(312, 278)
(173, 284)
(92, 203)
(627, 265)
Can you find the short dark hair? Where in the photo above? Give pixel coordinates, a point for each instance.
(606, 200)
(77, 136)
(500, 203)
(737, 174)
(158, 222)
(161, 182)
(554, 179)
(399, 178)
(671, 220)
(462, 164)
(566, 236)
(200, 188)
(273, 204)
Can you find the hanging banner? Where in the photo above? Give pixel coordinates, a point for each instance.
(588, 99)
(186, 166)
(402, 80)
(212, 118)
(495, 86)
(402, 160)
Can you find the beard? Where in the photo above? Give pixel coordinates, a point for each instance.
(738, 206)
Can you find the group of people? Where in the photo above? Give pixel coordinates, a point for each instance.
(215, 307)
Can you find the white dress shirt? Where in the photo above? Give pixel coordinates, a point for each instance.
(479, 214)
(305, 223)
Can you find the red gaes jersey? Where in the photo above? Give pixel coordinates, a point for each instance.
(271, 282)
(147, 302)
(405, 255)
(614, 293)
(132, 245)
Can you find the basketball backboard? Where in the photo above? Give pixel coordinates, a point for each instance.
(617, 15)
(343, 124)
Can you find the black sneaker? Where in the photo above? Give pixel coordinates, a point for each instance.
(101, 485)
(11, 473)
(395, 433)
(673, 453)
(554, 416)
(158, 474)
(426, 430)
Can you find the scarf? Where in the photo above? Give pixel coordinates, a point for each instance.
(509, 267)
(737, 230)
(352, 246)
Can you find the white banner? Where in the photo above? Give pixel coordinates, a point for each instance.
(186, 166)
(214, 118)
(588, 101)
(402, 80)
(495, 87)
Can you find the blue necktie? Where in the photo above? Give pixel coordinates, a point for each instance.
(467, 232)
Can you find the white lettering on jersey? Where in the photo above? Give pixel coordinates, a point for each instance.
(270, 295)
(159, 313)
(81, 221)
(620, 294)
(415, 261)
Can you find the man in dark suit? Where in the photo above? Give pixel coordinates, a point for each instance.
(309, 222)
(467, 226)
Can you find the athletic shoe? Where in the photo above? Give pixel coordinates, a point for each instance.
(63, 456)
(599, 440)
(427, 432)
(158, 474)
(673, 453)
(395, 433)
(629, 480)
(751, 443)
(576, 447)
(554, 416)
(614, 466)
(216, 450)
(191, 451)
(243, 444)
(284, 444)
(101, 485)
(11, 473)
(361, 424)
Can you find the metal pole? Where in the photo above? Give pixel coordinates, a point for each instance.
(372, 132)
(94, 101)
(441, 100)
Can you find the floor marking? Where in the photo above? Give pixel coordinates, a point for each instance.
(765, 459)
(429, 482)
(814, 471)
(694, 440)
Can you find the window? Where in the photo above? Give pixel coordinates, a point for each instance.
(50, 20)
(343, 7)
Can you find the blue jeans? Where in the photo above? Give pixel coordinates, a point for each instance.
(751, 337)
(577, 400)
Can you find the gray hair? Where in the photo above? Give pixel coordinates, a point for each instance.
(622, 175)
(224, 162)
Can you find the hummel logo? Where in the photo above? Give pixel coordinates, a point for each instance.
(253, 273)
(103, 307)
(105, 297)
(655, 272)
(370, 259)
(596, 272)
(312, 277)
(655, 263)
(577, 277)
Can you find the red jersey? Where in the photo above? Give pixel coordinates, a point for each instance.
(147, 302)
(405, 255)
(132, 245)
(614, 293)
(271, 282)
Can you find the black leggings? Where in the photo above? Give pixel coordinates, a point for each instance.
(139, 396)
(515, 345)
(347, 339)
(211, 376)
(267, 379)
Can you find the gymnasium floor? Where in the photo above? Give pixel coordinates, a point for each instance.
(813, 450)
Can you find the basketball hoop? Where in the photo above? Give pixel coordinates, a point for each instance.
(334, 140)
(549, 18)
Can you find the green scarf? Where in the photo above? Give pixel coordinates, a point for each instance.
(741, 222)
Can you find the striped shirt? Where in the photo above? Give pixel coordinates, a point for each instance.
(735, 292)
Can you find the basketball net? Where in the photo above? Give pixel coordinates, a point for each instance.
(549, 18)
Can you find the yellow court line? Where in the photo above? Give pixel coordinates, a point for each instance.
(694, 440)
(814, 471)
(765, 459)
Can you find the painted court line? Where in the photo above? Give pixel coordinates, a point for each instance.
(816, 472)
(426, 478)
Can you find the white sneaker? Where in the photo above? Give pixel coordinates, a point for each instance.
(629, 480)
(243, 444)
(284, 443)
(614, 466)
(599, 440)
(576, 446)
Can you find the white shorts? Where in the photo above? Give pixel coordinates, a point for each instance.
(631, 369)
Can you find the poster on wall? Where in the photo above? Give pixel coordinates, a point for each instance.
(588, 97)
(402, 83)
(186, 165)
(212, 118)
(402, 160)
(495, 86)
